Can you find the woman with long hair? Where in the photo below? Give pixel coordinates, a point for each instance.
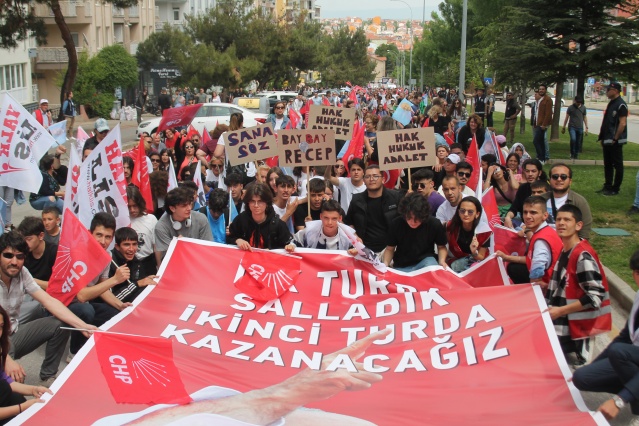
(159, 181)
(474, 127)
(513, 162)
(438, 120)
(12, 401)
(165, 159)
(370, 138)
(498, 177)
(189, 156)
(271, 176)
(458, 114)
(464, 247)
(144, 225)
(49, 194)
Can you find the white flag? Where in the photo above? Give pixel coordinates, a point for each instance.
(81, 138)
(173, 183)
(197, 178)
(71, 188)
(102, 185)
(23, 142)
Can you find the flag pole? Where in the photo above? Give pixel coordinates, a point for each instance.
(116, 267)
(410, 180)
(308, 189)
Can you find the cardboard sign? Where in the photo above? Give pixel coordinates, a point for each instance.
(251, 144)
(406, 148)
(306, 147)
(327, 117)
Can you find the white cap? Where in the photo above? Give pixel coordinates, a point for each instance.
(43, 101)
(453, 158)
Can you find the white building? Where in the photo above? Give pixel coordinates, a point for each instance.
(15, 74)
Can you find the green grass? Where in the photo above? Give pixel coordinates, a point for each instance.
(614, 252)
(561, 149)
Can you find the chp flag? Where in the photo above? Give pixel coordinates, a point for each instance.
(79, 260)
(175, 117)
(71, 193)
(23, 142)
(101, 184)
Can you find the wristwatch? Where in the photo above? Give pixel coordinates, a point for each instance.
(620, 403)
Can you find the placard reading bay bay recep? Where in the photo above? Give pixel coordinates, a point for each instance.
(399, 149)
(306, 147)
(250, 144)
(327, 117)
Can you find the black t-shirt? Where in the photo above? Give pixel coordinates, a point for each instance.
(465, 238)
(414, 245)
(300, 214)
(41, 268)
(441, 125)
(376, 230)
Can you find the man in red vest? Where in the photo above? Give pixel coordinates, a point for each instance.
(577, 293)
(543, 248)
(43, 115)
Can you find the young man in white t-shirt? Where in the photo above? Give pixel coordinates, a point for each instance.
(349, 185)
(283, 204)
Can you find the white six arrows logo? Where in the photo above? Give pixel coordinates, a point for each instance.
(278, 280)
(143, 369)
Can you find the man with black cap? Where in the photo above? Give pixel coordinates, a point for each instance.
(613, 136)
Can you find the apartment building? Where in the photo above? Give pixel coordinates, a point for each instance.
(15, 74)
(93, 25)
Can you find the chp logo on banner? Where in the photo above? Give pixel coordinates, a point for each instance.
(23, 142)
(102, 185)
(140, 370)
(175, 117)
(267, 279)
(250, 144)
(293, 356)
(306, 148)
(79, 260)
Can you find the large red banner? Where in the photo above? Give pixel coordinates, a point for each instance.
(454, 355)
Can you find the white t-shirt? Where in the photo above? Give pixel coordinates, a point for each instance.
(347, 189)
(145, 227)
(467, 191)
(278, 123)
(282, 211)
(558, 203)
(446, 211)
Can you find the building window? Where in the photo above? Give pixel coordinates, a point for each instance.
(76, 39)
(12, 77)
(176, 14)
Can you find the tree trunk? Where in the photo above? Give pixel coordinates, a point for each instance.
(581, 72)
(72, 69)
(522, 104)
(559, 91)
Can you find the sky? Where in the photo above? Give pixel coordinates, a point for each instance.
(386, 9)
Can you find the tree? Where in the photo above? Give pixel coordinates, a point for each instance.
(157, 48)
(18, 22)
(347, 59)
(390, 51)
(556, 40)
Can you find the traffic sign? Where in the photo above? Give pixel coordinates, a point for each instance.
(488, 81)
(591, 80)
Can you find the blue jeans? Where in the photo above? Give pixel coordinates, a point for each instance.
(539, 143)
(546, 144)
(636, 203)
(427, 261)
(43, 202)
(576, 141)
(460, 265)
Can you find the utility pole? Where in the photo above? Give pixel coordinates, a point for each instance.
(462, 61)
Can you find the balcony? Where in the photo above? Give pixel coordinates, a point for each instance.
(20, 94)
(159, 26)
(53, 57)
(74, 12)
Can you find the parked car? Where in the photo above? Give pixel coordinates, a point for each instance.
(531, 100)
(209, 115)
(277, 96)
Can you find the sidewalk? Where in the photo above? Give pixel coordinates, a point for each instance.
(601, 106)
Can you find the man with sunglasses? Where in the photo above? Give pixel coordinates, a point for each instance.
(463, 171)
(101, 129)
(424, 184)
(560, 181)
(372, 212)
(16, 281)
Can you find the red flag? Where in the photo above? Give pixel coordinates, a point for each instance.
(498, 152)
(206, 136)
(508, 241)
(268, 276)
(356, 145)
(489, 204)
(472, 158)
(390, 178)
(140, 370)
(192, 132)
(294, 118)
(349, 84)
(140, 176)
(325, 101)
(426, 122)
(450, 138)
(273, 161)
(79, 260)
(492, 267)
(174, 117)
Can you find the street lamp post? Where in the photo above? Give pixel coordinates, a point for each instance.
(462, 59)
(410, 62)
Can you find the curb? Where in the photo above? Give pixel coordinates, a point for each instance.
(620, 290)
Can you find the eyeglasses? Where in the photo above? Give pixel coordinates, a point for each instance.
(421, 185)
(463, 174)
(257, 203)
(19, 256)
(189, 147)
(103, 132)
(217, 166)
(372, 177)
(154, 160)
(195, 140)
(339, 166)
(468, 212)
(559, 176)
(279, 107)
